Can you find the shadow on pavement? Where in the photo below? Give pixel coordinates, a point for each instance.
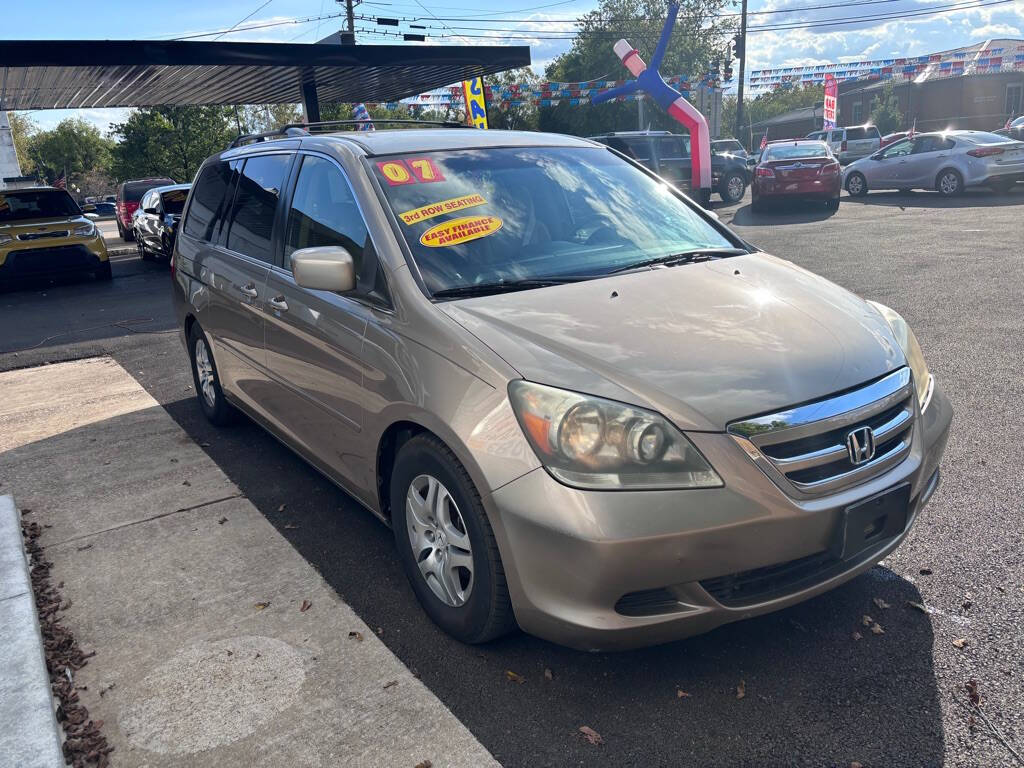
(785, 212)
(972, 198)
(813, 695)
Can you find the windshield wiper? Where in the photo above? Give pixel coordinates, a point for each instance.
(684, 257)
(505, 286)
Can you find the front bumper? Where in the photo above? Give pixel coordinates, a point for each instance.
(617, 570)
(78, 255)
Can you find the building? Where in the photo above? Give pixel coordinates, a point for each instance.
(975, 87)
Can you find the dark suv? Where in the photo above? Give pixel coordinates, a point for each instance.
(129, 193)
(668, 155)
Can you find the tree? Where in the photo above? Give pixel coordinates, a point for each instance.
(261, 118)
(170, 141)
(886, 114)
(74, 147)
(22, 130)
(523, 117)
(778, 101)
(699, 38)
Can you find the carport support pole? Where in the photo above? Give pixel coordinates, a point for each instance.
(310, 100)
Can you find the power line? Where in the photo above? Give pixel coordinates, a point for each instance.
(268, 2)
(281, 23)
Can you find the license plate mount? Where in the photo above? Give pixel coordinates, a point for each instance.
(870, 522)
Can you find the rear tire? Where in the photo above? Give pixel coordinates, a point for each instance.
(128, 235)
(215, 406)
(857, 185)
(949, 183)
(439, 521)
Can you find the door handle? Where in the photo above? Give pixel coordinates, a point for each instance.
(279, 303)
(248, 290)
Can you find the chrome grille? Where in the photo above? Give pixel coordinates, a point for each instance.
(42, 235)
(805, 449)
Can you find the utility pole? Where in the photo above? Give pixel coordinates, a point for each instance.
(741, 54)
(349, 36)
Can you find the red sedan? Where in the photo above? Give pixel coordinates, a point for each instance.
(796, 170)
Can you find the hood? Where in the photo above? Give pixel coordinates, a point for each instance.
(704, 344)
(34, 226)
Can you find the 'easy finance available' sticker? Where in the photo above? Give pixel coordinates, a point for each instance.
(444, 206)
(460, 230)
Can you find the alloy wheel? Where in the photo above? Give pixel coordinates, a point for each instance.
(949, 183)
(854, 185)
(204, 373)
(439, 539)
(735, 188)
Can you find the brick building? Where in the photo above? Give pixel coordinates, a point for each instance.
(971, 95)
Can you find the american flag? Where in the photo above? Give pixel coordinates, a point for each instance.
(360, 113)
(764, 142)
(61, 182)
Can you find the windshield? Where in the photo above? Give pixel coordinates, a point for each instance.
(481, 217)
(36, 204)
(796, 152)
(174, 201)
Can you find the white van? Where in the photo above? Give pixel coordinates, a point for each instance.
(852, 143)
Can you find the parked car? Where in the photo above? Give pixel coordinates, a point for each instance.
(796, 170)
(668, 155)
(155, 223)
(585, 405)
(129, 193)
(947, 161)
(852, 143)
(892, 138)
(43, 233)
(103, 210)
(728, 147)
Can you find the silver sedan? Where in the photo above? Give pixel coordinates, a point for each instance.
(947, 161)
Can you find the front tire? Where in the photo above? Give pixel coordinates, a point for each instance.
(215, 406)
(144, 254)
(949, 183)
(857, 185)
(103, 272)
(732, 188)
(445, 543)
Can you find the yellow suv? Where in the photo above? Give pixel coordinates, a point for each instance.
(43, 232)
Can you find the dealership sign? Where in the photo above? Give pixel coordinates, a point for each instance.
(831, 92)
(476, 106)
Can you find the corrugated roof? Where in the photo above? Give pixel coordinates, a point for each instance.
(80, 74)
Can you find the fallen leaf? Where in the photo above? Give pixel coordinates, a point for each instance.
(925, 571)
(261, 606)
(380, 631)
(857, 635)
(867, 621)
(876, 629)
(82, 549)
(356, 636)
(548, 675)
(741, 689)
(966, 605)
(591, 735)
(390, 683)
(222, 521)
(514, 677)
(306, 605)
(425, 764)
(960, 642)
(681, 694)
(282, 508)
(881, 603)
(971, 686)
(185, 482)
(971, 723)
(920, 606)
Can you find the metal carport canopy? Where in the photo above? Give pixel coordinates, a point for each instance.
(90, 74)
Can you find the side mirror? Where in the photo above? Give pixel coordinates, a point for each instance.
(152, 211)
(92, 216)
(325, 268)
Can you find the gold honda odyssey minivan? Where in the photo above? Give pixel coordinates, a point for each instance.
(584, 405)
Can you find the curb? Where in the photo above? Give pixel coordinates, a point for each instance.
(29, 734)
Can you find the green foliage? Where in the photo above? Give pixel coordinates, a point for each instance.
(700, 36)
(74, 146)
(525, 117)
(767, 105)
(170, 141)
(261, 118)
(22, 130)
(886, 114)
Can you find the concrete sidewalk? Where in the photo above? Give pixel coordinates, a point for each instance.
(216, 643)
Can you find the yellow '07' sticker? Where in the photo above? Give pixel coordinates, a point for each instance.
(444, 206)
(460, 230)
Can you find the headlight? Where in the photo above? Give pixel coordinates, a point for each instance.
(590, 442)
(912, 350)
(84, 230)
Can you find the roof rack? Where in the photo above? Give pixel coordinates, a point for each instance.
(302, 129)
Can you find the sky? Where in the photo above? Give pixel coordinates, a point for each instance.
(520, 22)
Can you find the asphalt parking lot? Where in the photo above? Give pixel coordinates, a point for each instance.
(812, 694)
